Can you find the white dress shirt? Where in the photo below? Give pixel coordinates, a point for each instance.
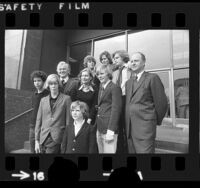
(125, 77)
(64, 79)
(104, 85)
(78, 126)
(139, 75)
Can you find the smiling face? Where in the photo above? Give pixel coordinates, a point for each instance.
(85, 77)
(104, 60)
(63, 70)
(137, 63)
(103, 76)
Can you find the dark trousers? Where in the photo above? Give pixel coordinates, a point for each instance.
(122, 142)
(49, 146)
(32, 139)
(136, 145)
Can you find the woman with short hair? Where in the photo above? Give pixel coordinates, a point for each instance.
(90, 63)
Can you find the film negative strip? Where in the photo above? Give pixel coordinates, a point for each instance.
(37, 36)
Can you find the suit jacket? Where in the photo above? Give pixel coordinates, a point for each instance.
(83, 142)
(53, 120)
(67, 88)
(117, 73)
(109, 108)
(146, 106)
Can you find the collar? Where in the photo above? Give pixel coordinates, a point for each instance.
(36, 92)
(65, 79)
(139, 75)
(51, 98)
(123, 66)
(105, 85)
(84, 86)
(80, 124)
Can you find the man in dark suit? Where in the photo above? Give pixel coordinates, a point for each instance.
(146, 106)
(63, 70)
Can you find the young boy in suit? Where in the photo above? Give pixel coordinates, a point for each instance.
(79, 136)
(109, 111)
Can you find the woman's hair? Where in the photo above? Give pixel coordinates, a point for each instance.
(107, 54)
(90, 74)
(123, 54)
(108, 70)
(49, 80)
(39, 74)
(83, 107)
(88, 58)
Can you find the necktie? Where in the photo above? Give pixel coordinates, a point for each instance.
(63, 81)
(119, 80)
(135, 77)
(101, 92)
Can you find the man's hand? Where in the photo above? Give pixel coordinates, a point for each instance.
(89, 121)
(37, 147)
(109, 136)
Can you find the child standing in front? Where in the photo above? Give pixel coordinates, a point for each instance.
(38, 78)
(79, 136)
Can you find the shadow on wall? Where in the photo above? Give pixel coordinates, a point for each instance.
(16, 131)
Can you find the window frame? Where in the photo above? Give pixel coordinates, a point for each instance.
(169, 70)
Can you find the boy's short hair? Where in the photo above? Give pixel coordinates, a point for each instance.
(108, 70)
(83, 107)
(38, 74)
(123, 54)
(88, 58)
(49, 79)
(107, 54)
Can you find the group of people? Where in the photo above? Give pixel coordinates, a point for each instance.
(112, 108)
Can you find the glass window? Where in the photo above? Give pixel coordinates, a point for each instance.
(181, 94)
(77, 55)
(155, 44)
(180, 47)
(13, 42)
(109, 44)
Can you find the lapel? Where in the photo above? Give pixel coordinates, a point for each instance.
(66, 84)
(130, 88)
(48, 103)
(138, 84)
(105, 91)
(59, 99)
(81, 130)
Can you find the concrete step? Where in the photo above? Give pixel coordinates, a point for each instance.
(20, 151)
(165, 151)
